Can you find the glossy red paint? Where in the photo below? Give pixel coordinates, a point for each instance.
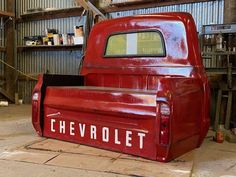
(153, 107)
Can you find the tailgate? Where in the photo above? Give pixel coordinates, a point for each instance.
(110, 118)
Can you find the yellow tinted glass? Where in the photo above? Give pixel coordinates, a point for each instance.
(135, 44)
(116, 45)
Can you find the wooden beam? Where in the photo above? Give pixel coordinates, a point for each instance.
(132, 2)
(6, 14)
(53, 14)
(49, 48)
(141, 4)
(10, 37)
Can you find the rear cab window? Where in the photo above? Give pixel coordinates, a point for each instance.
(135, 44)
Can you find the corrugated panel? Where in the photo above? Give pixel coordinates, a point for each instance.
(3, 5)
(54, 62)
(2, 36)
(23, 5)
(25, 90)
(203, 12)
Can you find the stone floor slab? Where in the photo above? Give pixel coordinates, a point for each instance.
(78, 161)
(155, 169)
(26, 156)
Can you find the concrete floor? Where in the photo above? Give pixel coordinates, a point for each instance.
(23, 153)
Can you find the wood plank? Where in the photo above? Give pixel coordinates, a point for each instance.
(53, 14)
(127, 167)
(26, 156)
(118, 7)
(9, 73)
(90, 158)
(49, 48)
(6, 14)
(132, 2)
(67, 147)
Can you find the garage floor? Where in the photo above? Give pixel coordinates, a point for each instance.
(23, 153)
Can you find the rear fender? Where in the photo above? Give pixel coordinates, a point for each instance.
(37, 106)
(186, 99)
(164, 96)
(44, 81)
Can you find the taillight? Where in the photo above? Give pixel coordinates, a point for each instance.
(165, 109)
(164, 124)
(35, 99)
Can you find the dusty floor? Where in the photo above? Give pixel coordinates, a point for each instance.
(24, 154)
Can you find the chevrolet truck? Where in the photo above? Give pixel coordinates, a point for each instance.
(142, 90)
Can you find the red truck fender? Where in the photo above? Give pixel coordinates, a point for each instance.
(183, 99)
(37, 106)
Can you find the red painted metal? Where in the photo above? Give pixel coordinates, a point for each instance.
(153, 107)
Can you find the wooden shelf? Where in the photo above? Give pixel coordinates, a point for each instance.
(49, 48)
(6, 14)
(142, 4)
(2, 49)
(131, 2)
(53, 14)
(220, 71)
(218, 53)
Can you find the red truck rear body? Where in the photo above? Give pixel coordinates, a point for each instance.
(156, 107)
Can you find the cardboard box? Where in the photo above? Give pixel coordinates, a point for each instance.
(78, 40)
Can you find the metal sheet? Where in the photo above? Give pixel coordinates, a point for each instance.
(3, 5)
(2, 8)
(23, 5)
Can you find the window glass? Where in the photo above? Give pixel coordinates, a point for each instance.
(135, 44)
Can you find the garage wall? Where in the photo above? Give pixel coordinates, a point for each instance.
(54, 62)
(203, 12)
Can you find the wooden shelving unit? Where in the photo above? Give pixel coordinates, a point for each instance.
(53, 14)
(7, 90)
(47, 15)
(2, 49)
(49, 48)
(6, 14)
